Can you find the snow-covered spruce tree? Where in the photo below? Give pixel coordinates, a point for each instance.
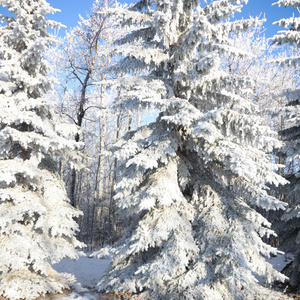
(291, 136)
(36, 219)
(189, 178)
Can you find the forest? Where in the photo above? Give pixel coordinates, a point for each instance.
(165, 133)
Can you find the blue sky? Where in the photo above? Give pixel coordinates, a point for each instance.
(70, 9)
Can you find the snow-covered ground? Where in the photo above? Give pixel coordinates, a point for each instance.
(88, 271)
(278, 262)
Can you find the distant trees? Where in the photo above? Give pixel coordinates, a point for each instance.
(36, 220)
(189, 178)
(80, 58)
(81, 61)
(291, 136)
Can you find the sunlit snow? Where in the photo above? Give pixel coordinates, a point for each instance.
(89, 270)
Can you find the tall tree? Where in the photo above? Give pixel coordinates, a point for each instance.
(36, 220)
(189, 178)
(79, 61)
(81, 55)
(291, 135)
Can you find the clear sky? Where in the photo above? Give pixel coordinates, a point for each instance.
(70, 9)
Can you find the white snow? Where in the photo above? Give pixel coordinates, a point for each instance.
(75, 295)
(87, 271)
(278, 262)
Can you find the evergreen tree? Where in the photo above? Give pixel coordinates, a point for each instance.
(36, 220)
(189, 178)
(291, 136)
